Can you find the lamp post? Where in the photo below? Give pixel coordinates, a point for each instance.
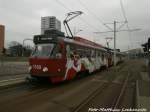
(23, 44)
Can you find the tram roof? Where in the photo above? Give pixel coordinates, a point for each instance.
(84, 42)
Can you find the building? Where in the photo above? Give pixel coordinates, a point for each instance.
(49, 23)
(2, 37)
(135, 53)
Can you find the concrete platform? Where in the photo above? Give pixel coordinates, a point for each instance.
(143, 95)
(145, 76)
(12, 68)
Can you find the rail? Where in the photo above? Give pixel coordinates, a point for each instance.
(121, 92)
(90, 97)
(101, 89)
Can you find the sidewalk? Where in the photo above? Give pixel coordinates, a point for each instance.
(143, 94)
(143, 91)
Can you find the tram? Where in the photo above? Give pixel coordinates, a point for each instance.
(61, 58)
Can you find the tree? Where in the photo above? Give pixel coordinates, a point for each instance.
(15, 48)
(27, 50)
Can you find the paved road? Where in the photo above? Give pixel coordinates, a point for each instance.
(68, 96)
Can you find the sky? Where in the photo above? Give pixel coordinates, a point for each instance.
(22, 19)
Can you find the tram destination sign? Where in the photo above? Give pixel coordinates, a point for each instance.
(43, 39)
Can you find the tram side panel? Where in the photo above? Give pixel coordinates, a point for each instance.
(81, 58)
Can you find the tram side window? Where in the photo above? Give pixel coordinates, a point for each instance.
(70, 50)
(86, 52)
(57, 52)
(99, 53)
(80, 51)
(103, 56)
(93, 53)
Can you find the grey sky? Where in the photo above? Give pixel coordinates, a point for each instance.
(22, 18)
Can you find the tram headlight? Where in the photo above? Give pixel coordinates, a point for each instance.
(45, 69)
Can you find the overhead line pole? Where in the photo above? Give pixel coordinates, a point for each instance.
(115, 31)
(23, 45)
(114, 43)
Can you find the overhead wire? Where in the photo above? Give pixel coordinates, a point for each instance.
(123, 10)
(124, 14)
(63, 5)
(94, 15)
(126, 20)
(87, 23)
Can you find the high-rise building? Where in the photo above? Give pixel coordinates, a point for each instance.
(2, 37)
(49, 23)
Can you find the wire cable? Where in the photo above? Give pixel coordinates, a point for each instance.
(100, 21)
(124, 14)
(126, 20)
(83, 20)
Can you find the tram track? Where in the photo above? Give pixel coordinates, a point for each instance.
(120, 100)
(41, 95)
(67, 100)
(27, 92)
(101, 90)
(117, 102)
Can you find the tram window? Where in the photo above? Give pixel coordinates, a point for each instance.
(57, 52)
(103, 56)
(80, 51)
(92, 53)
(85, 53)
(88, 52)
(70, 48)
(99, 54)
(43, 50)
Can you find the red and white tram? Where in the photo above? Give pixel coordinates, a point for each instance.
(59, 58)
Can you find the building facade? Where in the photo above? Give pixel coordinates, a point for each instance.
(2, 37)
(49, 23)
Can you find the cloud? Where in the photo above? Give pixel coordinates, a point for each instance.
(22, 18)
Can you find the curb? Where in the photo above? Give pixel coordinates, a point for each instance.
(9, 82)
(137, 94)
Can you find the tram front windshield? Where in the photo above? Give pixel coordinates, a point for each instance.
(43, 50)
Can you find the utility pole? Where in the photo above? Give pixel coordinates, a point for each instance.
(23, 45)
(114, 43)
(115, 30)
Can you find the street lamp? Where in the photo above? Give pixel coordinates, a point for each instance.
(23, 44)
